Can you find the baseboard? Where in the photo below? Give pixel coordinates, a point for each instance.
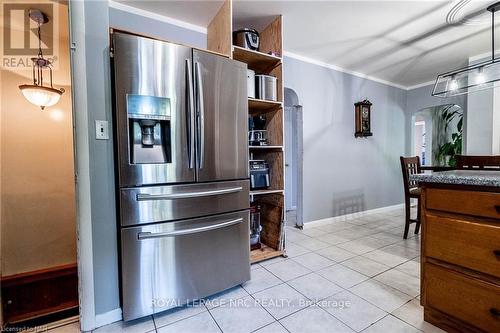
(329, 220)
(108, 317)
(37, 294)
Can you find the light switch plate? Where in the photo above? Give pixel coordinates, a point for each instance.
(101, 130)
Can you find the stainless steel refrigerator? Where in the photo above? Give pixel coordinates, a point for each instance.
(182, 163)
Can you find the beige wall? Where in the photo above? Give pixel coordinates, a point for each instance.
(37, 181)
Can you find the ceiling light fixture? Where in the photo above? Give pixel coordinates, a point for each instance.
(480, 77)
(453, 84)
(473, 77)
(37, 93)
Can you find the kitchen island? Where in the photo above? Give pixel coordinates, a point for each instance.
(460, 255)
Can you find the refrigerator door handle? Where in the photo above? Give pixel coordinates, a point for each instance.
(149, 235)
(201, 114)
(148, 197)
(190, 114)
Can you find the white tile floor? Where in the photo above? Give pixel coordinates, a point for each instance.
(355, 275)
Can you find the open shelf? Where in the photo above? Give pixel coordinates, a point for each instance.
(260, 105)
(265, 148)
(268, 191)
(265, 252)
(258, 61)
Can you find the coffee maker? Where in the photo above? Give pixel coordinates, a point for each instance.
(257, 134)
(149, 124)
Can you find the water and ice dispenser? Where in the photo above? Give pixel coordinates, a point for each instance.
(149, 126)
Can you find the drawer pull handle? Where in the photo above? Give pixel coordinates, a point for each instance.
(497, 253)
(497, 208)
(495, 312)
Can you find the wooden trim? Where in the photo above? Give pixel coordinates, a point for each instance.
(483, 163)
(435, 168)
(41, 274)
(425, 184)
(448, 323)
(38, 293)
(423, 254)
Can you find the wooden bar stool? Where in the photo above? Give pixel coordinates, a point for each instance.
(410, 166)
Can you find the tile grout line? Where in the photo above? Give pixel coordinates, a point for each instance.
(178, 320)
(213, 318)
(352, 328)
(311, 271)
(391, 313)
(286, 259)
(317, 301)
(374, 303)
(373, 278)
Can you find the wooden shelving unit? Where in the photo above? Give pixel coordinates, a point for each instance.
(267, 60)
(270, 200)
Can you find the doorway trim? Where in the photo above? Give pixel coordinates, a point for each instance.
(292, 102)
(300, 166)
(76, 18)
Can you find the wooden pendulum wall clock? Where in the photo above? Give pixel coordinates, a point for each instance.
(362, 121)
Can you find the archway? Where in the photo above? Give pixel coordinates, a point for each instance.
(437, 134)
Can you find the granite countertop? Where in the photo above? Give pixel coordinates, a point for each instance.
(460, 177)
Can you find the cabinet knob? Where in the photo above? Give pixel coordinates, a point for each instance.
(495, 312)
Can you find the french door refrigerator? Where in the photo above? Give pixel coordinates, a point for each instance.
(182, 163)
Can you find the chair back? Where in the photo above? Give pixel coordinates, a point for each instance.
(409, 166)
(465, 162)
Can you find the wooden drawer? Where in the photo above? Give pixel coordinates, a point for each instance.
(473, 301)
(468, 244)
(483, 204)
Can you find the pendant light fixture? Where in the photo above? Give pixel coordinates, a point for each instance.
(474, 77)
(37, 93)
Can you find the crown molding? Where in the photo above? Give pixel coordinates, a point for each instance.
(420, 85)
(343, 70)
(197, 28)
(157, 17)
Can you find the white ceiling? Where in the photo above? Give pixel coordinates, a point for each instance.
(403, 42)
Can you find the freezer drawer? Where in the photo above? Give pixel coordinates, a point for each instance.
(150, 204)
(169, 264)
